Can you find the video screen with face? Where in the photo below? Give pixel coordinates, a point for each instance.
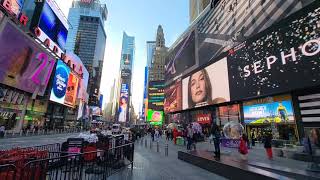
(206, 86)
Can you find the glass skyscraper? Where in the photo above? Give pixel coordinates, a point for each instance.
(87, 39)
(126, 68)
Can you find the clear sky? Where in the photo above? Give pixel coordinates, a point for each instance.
(138, 18)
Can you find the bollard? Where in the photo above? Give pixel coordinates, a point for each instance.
(166, 150)
(33, 133)
(157, 146)
(38, 132)
(13, 133)
(20, 132)
(5, 134)
(150, 144)
(141, 141)
(42, 131)
(27, 133)
(145, 143)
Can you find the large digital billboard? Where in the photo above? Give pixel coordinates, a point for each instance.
(277, 112)
(232, 22)
(181, 58)
(207, 86)
(155, 117)
(23, 64)
(72, 89)
(123, 103)
(280, 59)
(173, 97)
(52, 25)
(60, 83)
(156, 95)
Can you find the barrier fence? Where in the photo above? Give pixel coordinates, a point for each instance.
(98, 164)
(11, 134)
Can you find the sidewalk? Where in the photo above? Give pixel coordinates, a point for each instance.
(256, 154)
(152, 165)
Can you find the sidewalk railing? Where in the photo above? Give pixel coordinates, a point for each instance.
(98, 164)
(13, 134)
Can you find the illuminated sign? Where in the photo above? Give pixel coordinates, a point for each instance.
(156, 95)
(60, 83)
(23, 64)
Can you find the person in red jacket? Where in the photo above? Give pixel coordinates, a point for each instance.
(175, 134)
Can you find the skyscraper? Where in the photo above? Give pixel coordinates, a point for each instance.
(87, 39)
(126, 67)
(156, 70)
(196, 7)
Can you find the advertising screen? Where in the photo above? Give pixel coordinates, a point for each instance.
(72, 87)
(231, 22)
(60, 83)
(123, 103)
(229, 113)
(181, 58)
(207, 86)
(156, 95)
(23, 64)
(126, 61)
(279, 59)
(173, 97)
(15, 5)
(51, 24)
(155, 117)
(278, 112)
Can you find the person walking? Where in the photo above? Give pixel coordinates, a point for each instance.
(189, 136)
(2, 131)
(157, 135)
(267, 145)
(152, 134)
(253, 138)
(243, 147)
(215, 132)
(167, 134)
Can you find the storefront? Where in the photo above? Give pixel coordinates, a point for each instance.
(271, 114)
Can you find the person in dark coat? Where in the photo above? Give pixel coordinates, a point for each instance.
(268, 145)
(215, 131)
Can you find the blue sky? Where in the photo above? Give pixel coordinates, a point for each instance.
(139, 18)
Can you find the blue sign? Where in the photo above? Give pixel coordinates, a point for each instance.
(60, 82)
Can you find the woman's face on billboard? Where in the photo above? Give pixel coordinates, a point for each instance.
(198, 87)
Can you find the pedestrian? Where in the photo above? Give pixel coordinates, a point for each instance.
(152, 134)
(167, 135)
(215, 132)
(157, 135)
(243, 147)
(267, 144)
(2, 131)
(175, 134)
(189, 136)
(253, 138)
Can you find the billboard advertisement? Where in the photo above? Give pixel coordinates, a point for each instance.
(277, 112)
(156, 95)
(23, 64)
(15, 6)
(60, 83)
(126, 61)
(207, 86)
(123, 103)
(52, 25)
(278, 59)
(155, 117)
(181, 58)
(232, 22)
(173, 97)
(72, 87)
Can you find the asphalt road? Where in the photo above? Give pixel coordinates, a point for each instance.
(8, 143)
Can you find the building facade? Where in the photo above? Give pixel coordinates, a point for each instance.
(125, 81)
(250, 76)
(87, 39)
(196, 7)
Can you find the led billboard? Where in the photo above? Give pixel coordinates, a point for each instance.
(156, 95)
(155, 117)
(23, 64)
(72, 87)
(123, 103)
(277, 112)
(60, 83)
(207, 86)
(280, 59)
